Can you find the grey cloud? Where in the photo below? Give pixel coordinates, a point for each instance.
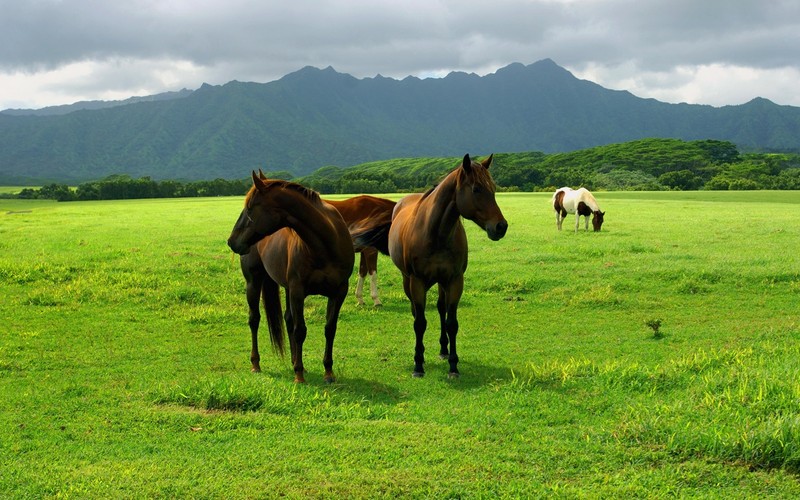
(262, 41)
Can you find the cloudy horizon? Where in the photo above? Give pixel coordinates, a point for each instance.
(55, 52)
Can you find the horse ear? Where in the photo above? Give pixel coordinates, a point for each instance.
(487, 162)
(466, 164)
(261, 175)
(257, 182)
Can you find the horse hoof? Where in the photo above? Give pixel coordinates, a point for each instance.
(453, 375)
(418, 374)
(256, 369)
(299, 380)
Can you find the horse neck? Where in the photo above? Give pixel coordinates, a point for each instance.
(311, 223)
(590, 202)
(440, 210)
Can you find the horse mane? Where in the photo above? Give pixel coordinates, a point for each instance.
(590, 198)
(309, 194)
(429, 191)
(478, 174)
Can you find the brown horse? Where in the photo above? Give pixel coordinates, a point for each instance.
(428, 244)
(287, 236)
(357, 212)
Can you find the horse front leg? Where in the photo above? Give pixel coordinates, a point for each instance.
(254, 319)
(452, 298)
(416, 294)
(331, 320)
(254, 274)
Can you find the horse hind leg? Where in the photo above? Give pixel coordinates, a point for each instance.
(559, 219)
(415, 291)
(441, 307)
(362, 272)
(373, 289)
(331, 320)
(297, 334)
(371, 258)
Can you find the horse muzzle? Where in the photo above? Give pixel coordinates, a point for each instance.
(238, 246)
(497, 231)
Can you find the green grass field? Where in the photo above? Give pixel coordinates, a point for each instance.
(124, 367)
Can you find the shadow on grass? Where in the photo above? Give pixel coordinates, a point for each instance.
(473, 375)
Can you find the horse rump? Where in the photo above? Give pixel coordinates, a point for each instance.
(376, 236)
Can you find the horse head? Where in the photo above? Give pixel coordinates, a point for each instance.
(475, 197)
(597, 219)
(258, 219)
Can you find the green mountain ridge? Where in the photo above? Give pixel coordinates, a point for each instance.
(319, 117)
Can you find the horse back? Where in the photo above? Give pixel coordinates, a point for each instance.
(363, 207)
(414, 252)
(290, 262)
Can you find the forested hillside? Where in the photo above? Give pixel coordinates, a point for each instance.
(648, 164)
(313, 118)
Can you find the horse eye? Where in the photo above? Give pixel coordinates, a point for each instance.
(476, 190)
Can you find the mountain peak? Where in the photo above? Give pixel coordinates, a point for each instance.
(316, 117)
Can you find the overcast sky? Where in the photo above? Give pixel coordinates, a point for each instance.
(714, 52)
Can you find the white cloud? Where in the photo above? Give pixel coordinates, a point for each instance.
(714, 84)
(713, 52)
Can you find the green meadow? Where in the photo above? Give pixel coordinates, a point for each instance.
(657, 358)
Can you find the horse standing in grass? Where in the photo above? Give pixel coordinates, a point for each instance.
(427, 242)
(579, 202)
(357, 212)
(287, 236)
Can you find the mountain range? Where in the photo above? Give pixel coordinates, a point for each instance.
(318, 117)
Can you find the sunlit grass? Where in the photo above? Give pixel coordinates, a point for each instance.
(124, 361)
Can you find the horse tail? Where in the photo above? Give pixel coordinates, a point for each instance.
(375, 235)
(272, 306)
(558, 202)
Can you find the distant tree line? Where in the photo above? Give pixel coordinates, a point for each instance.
(664, 164)
(648, 164)
(122, 187)
(643, 165)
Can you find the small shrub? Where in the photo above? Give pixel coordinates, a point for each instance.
(655, 325)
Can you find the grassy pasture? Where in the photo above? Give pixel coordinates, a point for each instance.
(124, 365)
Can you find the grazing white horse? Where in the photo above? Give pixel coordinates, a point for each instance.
(579, 202)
